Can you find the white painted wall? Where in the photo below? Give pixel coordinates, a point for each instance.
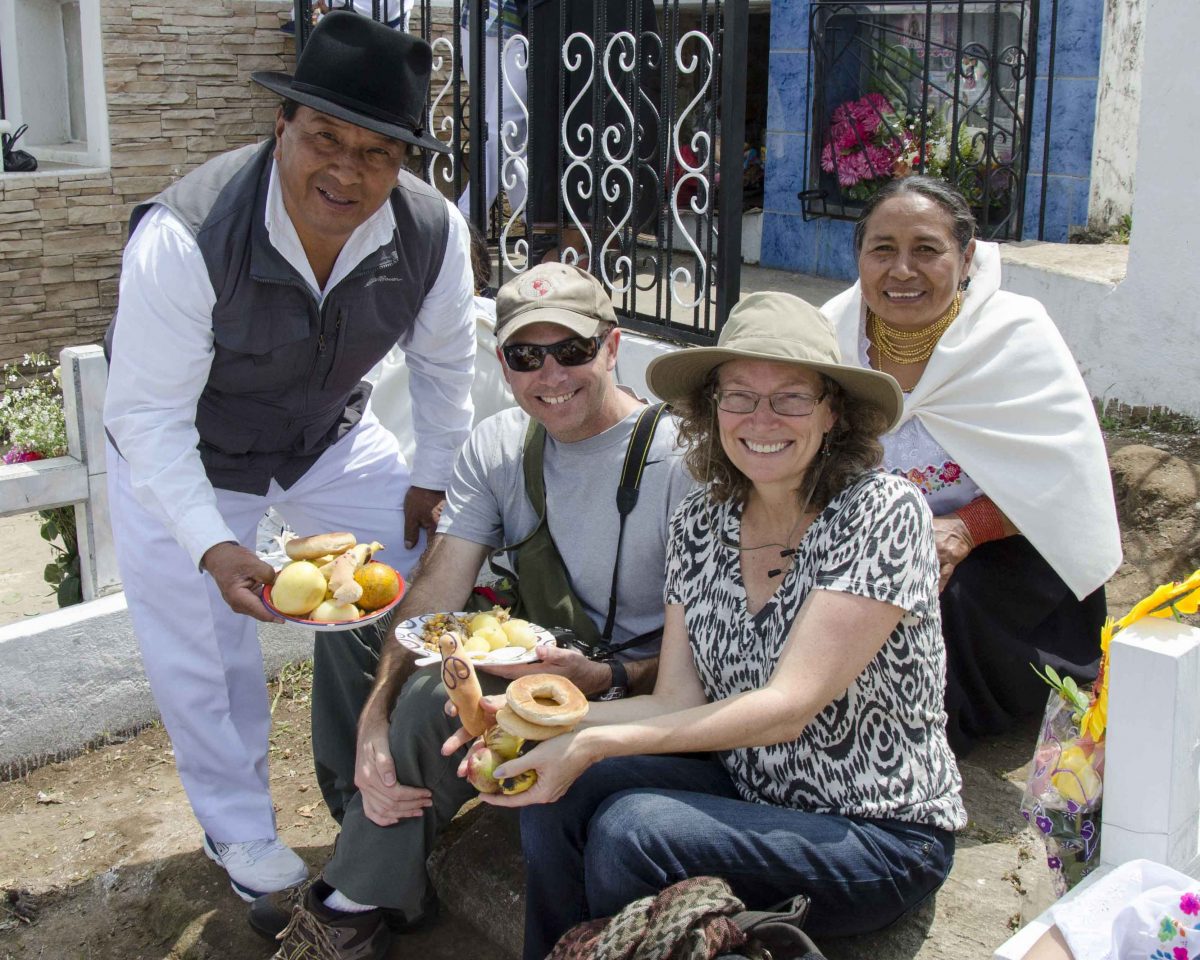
(1114, 150)
(41, 87)
(1135, 340)
(74, 675)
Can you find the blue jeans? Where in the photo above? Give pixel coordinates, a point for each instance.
(630, 827)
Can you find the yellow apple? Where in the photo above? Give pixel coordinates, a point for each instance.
(331, 611)
(298, 588)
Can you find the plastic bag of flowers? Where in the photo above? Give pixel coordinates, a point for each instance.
(1063, 794)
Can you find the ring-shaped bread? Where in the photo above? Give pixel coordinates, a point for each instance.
(518, 726)
(548, 699)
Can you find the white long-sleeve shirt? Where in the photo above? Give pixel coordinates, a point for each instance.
(163, 350)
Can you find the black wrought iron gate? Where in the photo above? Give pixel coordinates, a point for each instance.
(601, 133)
(943, 87)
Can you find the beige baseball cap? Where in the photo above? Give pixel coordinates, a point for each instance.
(553, 293)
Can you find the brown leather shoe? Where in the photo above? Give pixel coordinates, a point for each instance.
(270, 914)
(316, 932)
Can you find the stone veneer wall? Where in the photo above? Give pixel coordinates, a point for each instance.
(177, 77)
(178, 90)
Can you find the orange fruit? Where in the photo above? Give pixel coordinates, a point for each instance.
(380, 583)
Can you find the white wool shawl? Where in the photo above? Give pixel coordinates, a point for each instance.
(1002, 394)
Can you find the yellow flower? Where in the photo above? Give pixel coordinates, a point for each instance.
(1184, 597)
(1165, 601)
(1075, 778)
(1106, 635)
(1095, 717)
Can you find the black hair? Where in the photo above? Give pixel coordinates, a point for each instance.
(481, 259)
(944, 194)
(288, 108)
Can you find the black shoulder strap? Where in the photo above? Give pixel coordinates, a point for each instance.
(533, 454)
(635, 456)
(627, 492)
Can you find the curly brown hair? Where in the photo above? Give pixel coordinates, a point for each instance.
(853, 446)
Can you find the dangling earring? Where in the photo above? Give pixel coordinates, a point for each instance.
(826, 445)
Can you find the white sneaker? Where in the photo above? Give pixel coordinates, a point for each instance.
(257, 867)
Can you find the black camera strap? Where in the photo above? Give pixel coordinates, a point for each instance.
(544, 592)
(627, 495)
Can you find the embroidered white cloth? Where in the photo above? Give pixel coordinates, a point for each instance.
(911, 452)
(1003, 395)
(1141, 911)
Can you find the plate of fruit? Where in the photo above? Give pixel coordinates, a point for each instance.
(489, 637)
(332, 582)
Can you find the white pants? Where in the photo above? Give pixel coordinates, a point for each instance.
(203, 660)
(515, 93)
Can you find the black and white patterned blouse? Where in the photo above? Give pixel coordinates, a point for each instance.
(878, 750)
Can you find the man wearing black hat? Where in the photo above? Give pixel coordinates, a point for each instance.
(255, 294)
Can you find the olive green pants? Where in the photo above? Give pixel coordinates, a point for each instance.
(385, 866)
(344, 665)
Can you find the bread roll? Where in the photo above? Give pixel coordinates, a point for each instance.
(319, 545)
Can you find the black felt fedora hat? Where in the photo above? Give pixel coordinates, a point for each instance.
(365, 73)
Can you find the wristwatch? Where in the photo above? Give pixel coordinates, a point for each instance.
(619, 686)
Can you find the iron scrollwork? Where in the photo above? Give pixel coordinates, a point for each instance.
(938, 87)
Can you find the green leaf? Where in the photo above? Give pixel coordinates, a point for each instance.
(1053, 676)
(52, 574)
(1071, 687)
(48, 530)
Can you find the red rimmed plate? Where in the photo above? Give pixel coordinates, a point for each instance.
(329, 626)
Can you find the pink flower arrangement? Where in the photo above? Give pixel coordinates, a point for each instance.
(867, 139)
(23, 456)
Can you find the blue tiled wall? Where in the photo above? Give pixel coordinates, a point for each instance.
(824, 247)
(1073, 118)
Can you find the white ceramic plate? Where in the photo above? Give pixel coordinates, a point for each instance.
(408, 633)
(322, 626)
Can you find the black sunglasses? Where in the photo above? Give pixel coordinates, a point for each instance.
(574, 352)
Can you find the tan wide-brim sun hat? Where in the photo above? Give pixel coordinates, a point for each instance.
(783, 329)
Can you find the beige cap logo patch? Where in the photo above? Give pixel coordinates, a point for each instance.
(535, 286)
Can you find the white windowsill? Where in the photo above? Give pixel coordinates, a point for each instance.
(53, 168)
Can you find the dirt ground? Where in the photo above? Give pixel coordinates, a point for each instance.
(23, 592)
(100, 857)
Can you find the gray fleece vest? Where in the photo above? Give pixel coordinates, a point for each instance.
(286, 378)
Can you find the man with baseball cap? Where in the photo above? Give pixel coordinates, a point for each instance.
(255, 294)
(557, 338)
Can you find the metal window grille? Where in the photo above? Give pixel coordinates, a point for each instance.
(941, 87)
(630, 142)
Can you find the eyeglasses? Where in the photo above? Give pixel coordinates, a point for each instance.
(784, 404)
(574, 352)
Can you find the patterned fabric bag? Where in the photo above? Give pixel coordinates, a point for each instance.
(695, 919)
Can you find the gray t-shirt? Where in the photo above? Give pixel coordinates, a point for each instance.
(487, 504)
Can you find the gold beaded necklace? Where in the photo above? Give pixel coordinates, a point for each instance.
(909, 346)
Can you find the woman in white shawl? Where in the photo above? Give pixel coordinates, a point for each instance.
(999, 433)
